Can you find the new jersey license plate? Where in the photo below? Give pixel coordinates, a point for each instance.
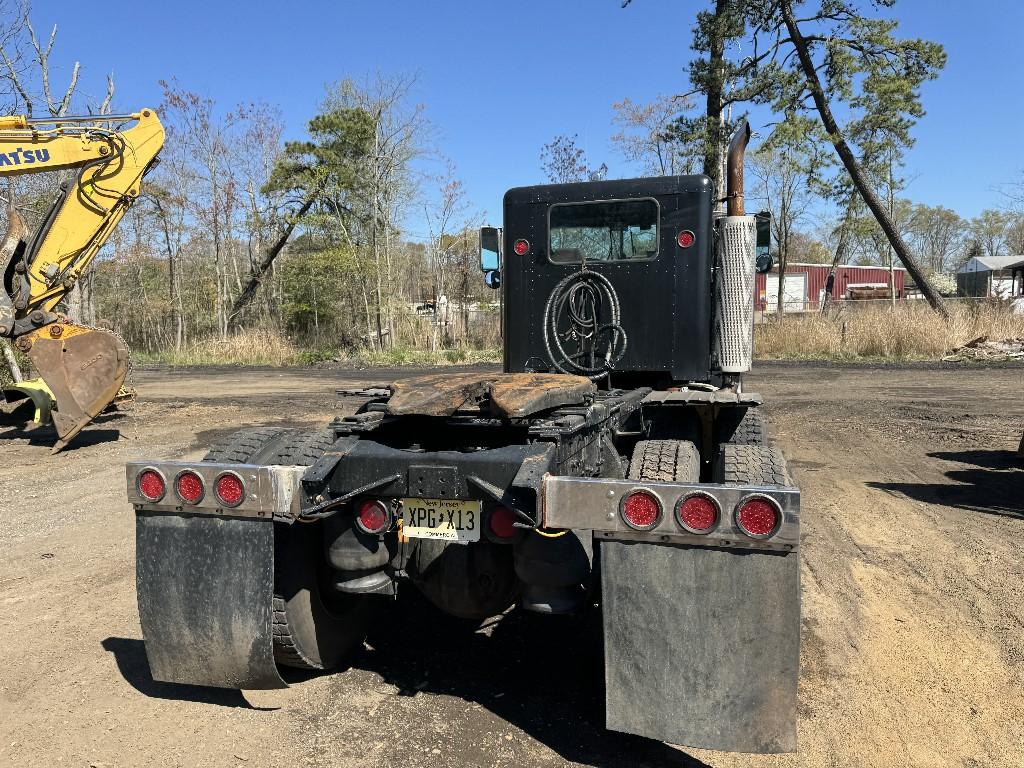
(447, 519)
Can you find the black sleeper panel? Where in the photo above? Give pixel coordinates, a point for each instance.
(666, 303)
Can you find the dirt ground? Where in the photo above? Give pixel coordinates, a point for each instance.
(913, 586)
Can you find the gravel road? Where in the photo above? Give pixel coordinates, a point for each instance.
(913, 586)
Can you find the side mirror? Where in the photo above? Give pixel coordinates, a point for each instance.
(490, 249)
(492, 278)
(764, 241)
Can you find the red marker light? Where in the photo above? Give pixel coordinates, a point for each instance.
(503, 523)
(686, 238)
(641, 510)
(758, 517)
(229, 489)
(189, 487)
(521, 247)
(698, 513)
(373, 517)
(151, 485)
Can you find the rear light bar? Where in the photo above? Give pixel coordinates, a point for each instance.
(227, 490)
(702, 514)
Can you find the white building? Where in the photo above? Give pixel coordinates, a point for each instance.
(988, 276)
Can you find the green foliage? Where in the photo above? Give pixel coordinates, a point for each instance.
(315, 281)
(328, 164)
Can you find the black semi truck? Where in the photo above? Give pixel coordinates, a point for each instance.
(616, 463)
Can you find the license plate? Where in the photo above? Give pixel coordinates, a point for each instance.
(447, 519)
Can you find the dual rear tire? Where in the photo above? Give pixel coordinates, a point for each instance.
(743, 455)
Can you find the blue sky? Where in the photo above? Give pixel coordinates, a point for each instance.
(501, 79)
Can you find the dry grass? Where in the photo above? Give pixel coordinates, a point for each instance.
(401, 355)
(877, 332)
(253, 347)
(270, 348)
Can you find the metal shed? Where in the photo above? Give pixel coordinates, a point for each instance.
(805, 284)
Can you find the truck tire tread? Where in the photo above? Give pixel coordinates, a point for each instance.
(672, 461)
(741, 426)
(751, 465)
(301, 448)
(244, 446)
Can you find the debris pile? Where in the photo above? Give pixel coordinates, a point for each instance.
(989, 351)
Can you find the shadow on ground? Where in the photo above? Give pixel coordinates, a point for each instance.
(991, 482)
(130, 656)
(21, 427)
(542, 674)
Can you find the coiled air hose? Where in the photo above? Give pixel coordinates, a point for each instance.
(573, 315)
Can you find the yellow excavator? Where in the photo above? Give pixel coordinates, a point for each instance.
(80, 369)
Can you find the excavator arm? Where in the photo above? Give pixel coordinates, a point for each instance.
(80, 369)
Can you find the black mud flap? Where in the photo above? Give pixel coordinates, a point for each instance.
(701, 645)
(205, 590)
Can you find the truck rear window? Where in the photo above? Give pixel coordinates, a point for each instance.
(605, 230)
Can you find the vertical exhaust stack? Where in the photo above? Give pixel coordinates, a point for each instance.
(736, 267)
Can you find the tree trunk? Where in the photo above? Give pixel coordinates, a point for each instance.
(249, 291)
(841, 246)
(715, 96)
(851, 164)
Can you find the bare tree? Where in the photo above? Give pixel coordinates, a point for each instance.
(644, 135)
(989, 230)
(564, 162)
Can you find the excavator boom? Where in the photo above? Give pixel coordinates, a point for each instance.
(81, 369)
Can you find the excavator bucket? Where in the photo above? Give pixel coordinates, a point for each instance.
(84, 368)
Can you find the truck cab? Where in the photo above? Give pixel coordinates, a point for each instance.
(616, 464)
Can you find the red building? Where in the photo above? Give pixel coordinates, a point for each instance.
(805, 285)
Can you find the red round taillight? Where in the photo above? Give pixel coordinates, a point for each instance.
(373, 516)
(697, 513)
(229, 489)
(758, 517)
(189, 487)
(502, 522)
(686, 238)
(521, 247)
(641, 510)
(151, 485)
